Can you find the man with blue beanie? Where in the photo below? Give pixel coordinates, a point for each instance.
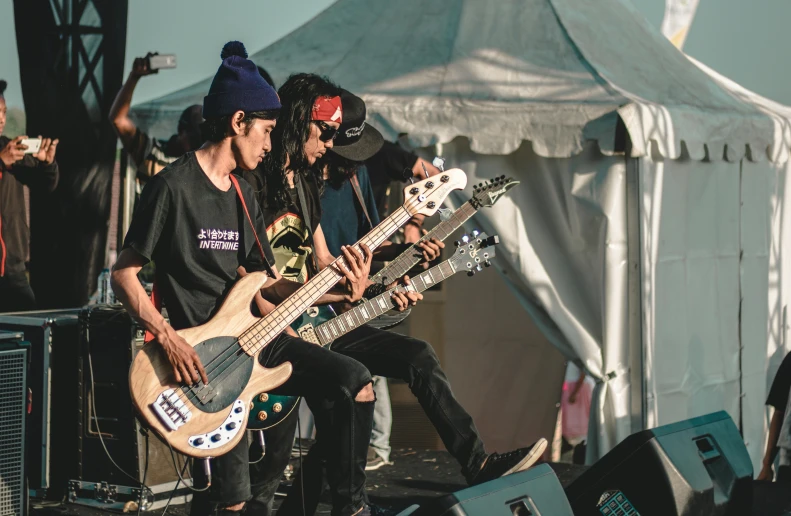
(191, 221)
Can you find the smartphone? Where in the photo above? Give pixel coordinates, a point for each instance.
(33, 145)
(158, 61)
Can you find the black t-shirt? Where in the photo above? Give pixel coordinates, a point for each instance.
(285, 226)
(778, 394)
(391, 163)
(197, 235)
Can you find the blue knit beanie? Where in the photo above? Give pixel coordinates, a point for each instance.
(238, 86)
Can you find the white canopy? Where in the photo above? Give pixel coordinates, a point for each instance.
(552, 72)
(536, 89)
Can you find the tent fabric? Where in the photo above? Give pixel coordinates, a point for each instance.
(535, 89)
(564, 252)
(529, 70)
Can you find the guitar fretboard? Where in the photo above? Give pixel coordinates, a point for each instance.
(412, 256)
(361, 314)
(287, 312)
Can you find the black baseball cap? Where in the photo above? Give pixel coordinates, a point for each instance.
(356, 140)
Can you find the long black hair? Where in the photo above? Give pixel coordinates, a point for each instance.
(297, 96)
(339, 169)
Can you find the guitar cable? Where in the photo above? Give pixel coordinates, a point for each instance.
(142, 484)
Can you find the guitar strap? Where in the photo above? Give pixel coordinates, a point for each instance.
(156, 299)
(358, 192)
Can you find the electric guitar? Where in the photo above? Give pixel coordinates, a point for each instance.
(484, 195)
(267, 410)
(207, 420)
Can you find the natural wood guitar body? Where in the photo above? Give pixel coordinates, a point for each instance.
(151, 372)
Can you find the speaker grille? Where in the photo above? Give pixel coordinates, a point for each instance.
(12, 430)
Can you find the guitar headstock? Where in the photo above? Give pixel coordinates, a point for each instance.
(473, 252)
(487, 193)
(426, 196)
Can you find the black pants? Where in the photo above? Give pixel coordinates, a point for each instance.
(16, 294)
(321, 376)
(392, 355)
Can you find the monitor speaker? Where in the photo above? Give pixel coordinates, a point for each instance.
(13, 412)
(535, 492)
(695, 467)
(53, 336)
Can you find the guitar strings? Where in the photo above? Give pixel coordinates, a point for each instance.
(191, 394)
(266, 328)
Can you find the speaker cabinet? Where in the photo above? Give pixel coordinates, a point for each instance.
(53, 336)
(695, 467)
(13, 411)
(535, 492)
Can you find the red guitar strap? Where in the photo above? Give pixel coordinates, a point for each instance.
(156, 300)
(267, 266)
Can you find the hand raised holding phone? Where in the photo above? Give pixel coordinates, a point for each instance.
(46, 151)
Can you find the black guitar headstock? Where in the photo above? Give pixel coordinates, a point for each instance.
(487, 193)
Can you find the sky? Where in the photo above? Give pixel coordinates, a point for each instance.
(741, 39)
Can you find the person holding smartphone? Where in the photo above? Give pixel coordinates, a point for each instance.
(148, 154)
(19, 167)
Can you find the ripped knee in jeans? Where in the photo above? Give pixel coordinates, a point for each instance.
(365, 394)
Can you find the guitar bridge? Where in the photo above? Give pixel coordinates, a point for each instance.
(308, 333)
(171, 410)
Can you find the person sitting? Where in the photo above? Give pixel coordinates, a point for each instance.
(778, 398)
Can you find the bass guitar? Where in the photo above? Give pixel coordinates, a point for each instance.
(207, 420)
(472, 255)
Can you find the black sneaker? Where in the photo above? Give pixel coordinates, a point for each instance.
(497, 465)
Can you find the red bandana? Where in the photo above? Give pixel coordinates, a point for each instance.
(328, 109)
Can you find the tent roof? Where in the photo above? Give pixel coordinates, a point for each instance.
(553, 72)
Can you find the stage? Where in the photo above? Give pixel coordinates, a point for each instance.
(419, 475)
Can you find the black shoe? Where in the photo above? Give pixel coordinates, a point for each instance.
(497, 465)
(375, 510)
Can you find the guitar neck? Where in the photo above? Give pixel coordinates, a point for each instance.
(289, 310)
(361, 314)
(412, 256)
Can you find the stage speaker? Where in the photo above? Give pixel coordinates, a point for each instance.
(695, 467)
(535, 492)
(53, 336)
(13, 411)
(103, 426)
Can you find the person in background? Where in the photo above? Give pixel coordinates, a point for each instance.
(148, 154)
(37, 171)
(779, 399)
(575, 403)
(349, 211)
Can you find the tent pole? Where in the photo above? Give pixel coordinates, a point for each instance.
(636, 358)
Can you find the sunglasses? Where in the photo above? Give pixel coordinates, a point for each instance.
(327, 133)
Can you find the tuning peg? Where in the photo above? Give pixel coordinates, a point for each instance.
(439, 163)
(475, 233)
(478, 268)
(457, 243)
(487, 263)
(465, 239)
(471, 273)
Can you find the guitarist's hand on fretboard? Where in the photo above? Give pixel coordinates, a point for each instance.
(404, 298)
(355, 269)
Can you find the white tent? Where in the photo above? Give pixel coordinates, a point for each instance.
(646, 238)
